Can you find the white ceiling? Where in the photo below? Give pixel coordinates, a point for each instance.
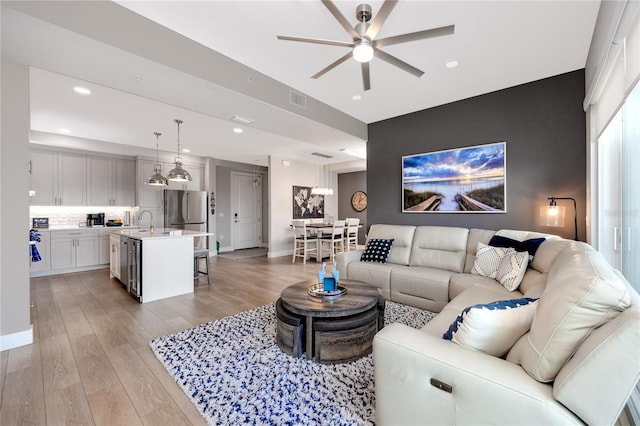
(498, 44)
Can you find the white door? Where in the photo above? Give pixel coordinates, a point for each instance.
(246, 200)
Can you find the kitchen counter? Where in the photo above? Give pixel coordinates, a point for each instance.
(85, 228)
(145, 234)
(156, 265)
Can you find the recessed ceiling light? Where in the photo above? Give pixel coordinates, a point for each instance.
(241, 119)
(64, 130)
(357, 97)
(187, 150)
(82, 90)
(451, 64)
(237, 130)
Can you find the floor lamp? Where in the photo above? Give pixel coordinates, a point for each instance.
(553, 215)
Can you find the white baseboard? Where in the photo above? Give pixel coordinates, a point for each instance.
(14, 340)
(279, 253)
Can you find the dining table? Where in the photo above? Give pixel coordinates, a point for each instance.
(319, 229)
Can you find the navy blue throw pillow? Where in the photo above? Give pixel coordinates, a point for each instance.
(528, 245)
(377, 250)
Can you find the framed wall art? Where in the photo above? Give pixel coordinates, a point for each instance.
(461, 180)
(307, 205)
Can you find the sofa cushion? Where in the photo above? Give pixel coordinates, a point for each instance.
(488, 260)
(494, 327)
(583, 292)
(512, 269)
(442, 247)
(402, 239)
(378, 274)
(377, 250)
(426, 288)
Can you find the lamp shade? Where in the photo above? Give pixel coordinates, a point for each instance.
(179, 174)
(156, 179)
(552, 216)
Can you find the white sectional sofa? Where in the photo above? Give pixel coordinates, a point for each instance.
(578, 362)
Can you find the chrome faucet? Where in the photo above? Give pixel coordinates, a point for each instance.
(152, 226)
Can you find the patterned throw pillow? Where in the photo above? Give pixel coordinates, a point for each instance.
(488, 260)
(530, 245)
(377, 250)
(494, 327)
(512, 269)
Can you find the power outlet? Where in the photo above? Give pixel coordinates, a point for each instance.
(221, 237)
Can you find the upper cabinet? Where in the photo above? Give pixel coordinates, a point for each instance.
(111, 181)
(69, 179)
(58, 179)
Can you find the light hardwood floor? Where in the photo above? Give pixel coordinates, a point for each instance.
(90, 362)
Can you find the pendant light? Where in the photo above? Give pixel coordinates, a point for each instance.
(156, 179)
(179, 174)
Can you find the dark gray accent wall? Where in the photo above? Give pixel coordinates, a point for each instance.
(543, 125)
(348, 184)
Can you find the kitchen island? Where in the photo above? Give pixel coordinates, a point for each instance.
(156, 265)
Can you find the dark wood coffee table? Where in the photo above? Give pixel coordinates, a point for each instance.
(336, 329)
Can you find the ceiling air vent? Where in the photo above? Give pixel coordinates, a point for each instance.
(298, 99)
(319, 154)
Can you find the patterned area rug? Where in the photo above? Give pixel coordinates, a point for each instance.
(234, 373)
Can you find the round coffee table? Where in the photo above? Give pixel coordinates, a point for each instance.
(336, 329)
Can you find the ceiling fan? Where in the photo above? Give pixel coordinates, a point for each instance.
(364, 45)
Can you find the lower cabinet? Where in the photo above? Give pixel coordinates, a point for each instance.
(104, 247)
(74, 249)
(114, 252)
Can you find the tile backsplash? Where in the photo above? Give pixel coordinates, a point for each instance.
(77, 215)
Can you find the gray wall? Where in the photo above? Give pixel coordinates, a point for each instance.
(15, 322)
(543, 124)
(348, 183)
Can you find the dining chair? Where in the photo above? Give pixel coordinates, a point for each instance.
(334, 241)
(303, 244)
(351, 233)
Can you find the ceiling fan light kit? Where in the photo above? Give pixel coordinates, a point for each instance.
(364, 46)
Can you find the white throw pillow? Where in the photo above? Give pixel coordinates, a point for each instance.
(512, 269)
(488, 259)
(493, 327)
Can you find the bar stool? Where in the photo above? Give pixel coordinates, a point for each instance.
(197, 273)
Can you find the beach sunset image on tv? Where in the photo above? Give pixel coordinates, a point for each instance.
(457, 180)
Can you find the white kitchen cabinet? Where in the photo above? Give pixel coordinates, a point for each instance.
(104, 247)
(111, 181)
(58, 178)
(114, 255)
(44, 248)
(72, 179)
(124, 182)
(74, 249)
(43, 169)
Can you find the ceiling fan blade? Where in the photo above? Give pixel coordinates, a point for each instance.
(341, 19)
(316, 41)
(380, 18)
(332, 66)
(366, 79)
(418, 35)
(398, 63)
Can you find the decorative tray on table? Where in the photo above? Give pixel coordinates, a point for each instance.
(317, 290)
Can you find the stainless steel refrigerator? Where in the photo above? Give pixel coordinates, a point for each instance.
(187, 210)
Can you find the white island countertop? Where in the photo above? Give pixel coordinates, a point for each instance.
(145, 234)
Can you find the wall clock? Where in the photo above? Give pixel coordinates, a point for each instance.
(359, 201)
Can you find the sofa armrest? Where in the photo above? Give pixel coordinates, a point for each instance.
(484, 389)
(343, 259)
